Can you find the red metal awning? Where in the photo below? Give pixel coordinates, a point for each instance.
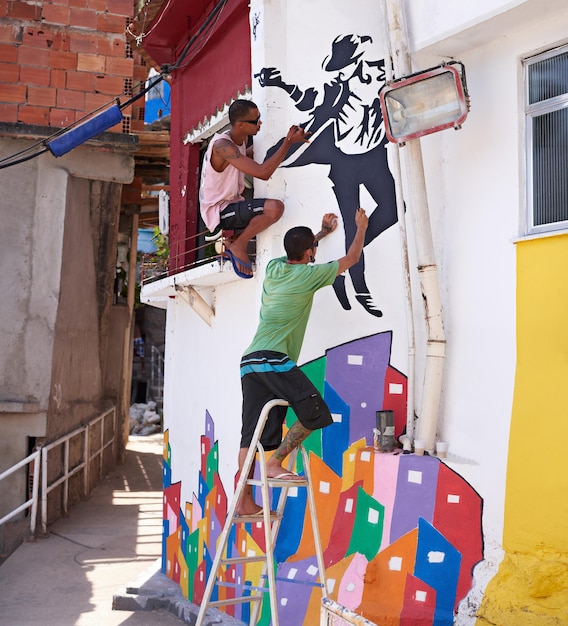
(216, 67)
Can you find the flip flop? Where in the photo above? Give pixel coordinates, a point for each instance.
(235, 261)
(283, 477)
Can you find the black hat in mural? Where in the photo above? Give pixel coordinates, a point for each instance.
(345, 50)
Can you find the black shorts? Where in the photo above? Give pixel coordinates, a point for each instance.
(267, 376)
(239, 214)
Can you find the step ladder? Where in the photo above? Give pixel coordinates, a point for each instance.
(271, 528)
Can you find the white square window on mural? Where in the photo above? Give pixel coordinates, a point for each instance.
(546, 125)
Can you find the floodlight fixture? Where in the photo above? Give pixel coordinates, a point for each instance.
(425, 102)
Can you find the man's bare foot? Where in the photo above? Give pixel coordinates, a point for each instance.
(246, 511)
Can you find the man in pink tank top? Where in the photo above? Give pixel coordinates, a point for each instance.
(226, 162)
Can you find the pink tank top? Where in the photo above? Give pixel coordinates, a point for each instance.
(218, 189)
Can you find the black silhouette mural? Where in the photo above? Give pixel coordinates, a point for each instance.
(348, 135)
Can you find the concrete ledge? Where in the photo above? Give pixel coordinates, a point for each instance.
(153, 590)
(119, 142)
(17, 406)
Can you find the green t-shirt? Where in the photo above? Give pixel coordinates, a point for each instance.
(287, 296)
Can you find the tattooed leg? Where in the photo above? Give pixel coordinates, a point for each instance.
(291, 441)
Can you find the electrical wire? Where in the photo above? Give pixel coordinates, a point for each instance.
(13, 160)
(205, 38)
(143, 34)
(167, 104)
(160, 78)
(216, 9)
(58, 132)
(165, 70)
(17, 154)
(22, 160)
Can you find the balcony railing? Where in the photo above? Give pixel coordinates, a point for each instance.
(184, 254)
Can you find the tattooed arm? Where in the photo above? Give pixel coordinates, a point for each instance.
(328, 225)
(225, 152)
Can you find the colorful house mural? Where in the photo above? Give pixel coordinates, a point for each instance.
(498, 212)
(401, 533)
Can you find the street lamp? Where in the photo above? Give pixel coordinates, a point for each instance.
(425, 102)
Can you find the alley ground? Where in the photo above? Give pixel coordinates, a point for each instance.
(105, 543)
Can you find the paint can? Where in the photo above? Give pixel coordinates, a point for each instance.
(384, 432)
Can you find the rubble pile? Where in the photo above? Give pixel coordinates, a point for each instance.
(144, 420)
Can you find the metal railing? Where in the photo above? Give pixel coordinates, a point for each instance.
(47, 487)
(334, 614)
(156, 368)
(32, 502)
(40, 457)
(187, 254)
(83, 464)
(184, 254)
(102, 445)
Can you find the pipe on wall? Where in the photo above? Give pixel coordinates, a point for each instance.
(393, 157)
(417, 203)
(394, 165)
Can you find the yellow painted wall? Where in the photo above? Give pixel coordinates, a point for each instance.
(531, 587)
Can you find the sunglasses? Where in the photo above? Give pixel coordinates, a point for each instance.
(255, 122)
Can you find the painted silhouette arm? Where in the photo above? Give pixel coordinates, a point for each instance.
(356, 248)
(271, 77)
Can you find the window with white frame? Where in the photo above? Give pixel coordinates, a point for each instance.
(546, 119)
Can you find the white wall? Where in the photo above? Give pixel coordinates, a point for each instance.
(286, 36)
(476, 192)
(451, 27)
(476, 199)
(202, 374)
(308, 28)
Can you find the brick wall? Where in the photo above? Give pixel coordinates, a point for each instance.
(62, 59)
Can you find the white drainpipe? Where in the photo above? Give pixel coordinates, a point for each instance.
(417, 204)
(394, 165)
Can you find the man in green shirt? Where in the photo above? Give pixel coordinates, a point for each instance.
(268, 367)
